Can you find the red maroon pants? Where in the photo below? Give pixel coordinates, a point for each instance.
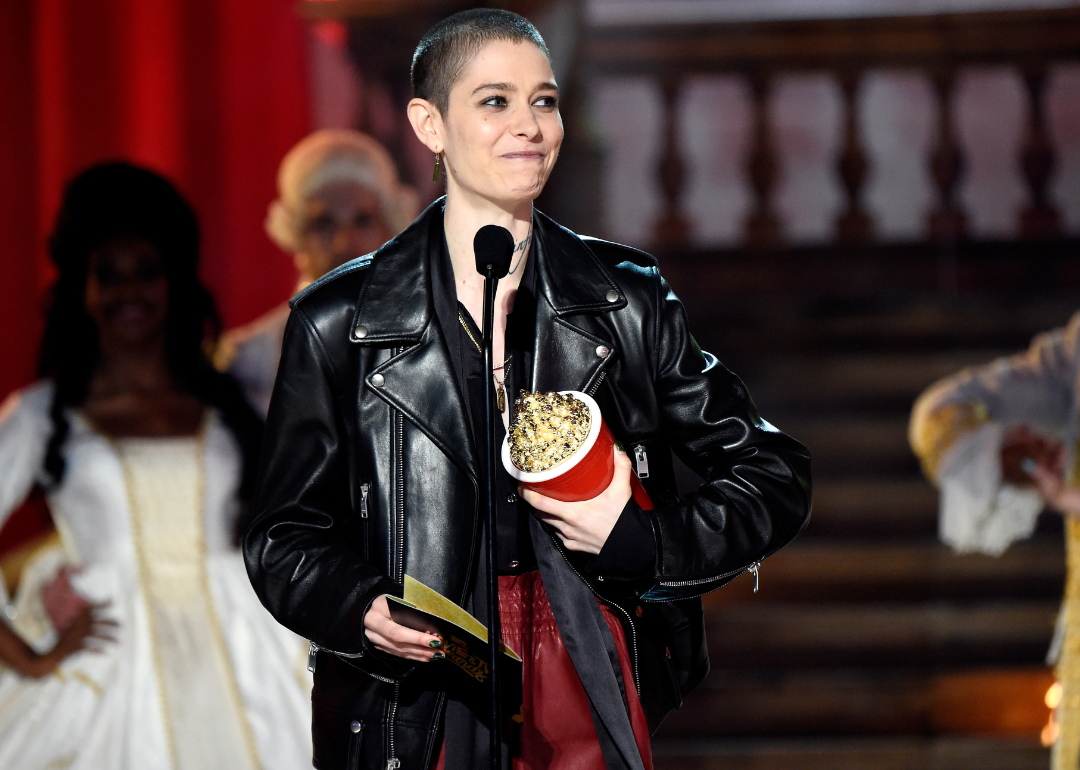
(558, 732)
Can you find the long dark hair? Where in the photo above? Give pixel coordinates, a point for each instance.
(119, 199)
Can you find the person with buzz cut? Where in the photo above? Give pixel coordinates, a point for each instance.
(371, 469)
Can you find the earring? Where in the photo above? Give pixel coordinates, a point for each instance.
(435, 177)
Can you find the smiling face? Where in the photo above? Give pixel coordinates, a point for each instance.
(127, 293)
(502, 130)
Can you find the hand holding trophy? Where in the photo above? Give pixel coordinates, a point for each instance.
(559, 448)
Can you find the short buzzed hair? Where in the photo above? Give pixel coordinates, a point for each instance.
(446, 50)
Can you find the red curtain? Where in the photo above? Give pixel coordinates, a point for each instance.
(212, 93)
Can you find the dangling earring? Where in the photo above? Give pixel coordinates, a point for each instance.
(435, 177)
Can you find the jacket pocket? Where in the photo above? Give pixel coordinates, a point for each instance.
(337, 739)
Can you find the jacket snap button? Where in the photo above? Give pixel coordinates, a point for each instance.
(355, 727)
(638, 611)
(612, 296)
(603, 351)
(360, 332)
(511, 498)
(514, 564)
(377, 380)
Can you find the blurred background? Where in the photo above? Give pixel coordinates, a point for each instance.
(852, 197)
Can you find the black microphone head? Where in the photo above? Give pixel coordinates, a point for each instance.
(494, 246)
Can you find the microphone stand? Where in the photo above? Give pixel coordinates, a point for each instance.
(491, 283)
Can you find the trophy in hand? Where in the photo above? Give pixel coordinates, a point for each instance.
(558, 445)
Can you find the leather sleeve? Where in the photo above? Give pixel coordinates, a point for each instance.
(756, 492)
(299, 554)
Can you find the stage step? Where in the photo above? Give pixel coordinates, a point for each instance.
(856, 380)
(837, 570)
(876, 506)
(853, 754)
(781, 635)
(865, 701)
(743, 329)
(846, 444)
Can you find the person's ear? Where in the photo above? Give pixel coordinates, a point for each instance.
(426, 123)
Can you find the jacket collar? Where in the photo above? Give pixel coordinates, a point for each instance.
(570, 276)
(396, 305)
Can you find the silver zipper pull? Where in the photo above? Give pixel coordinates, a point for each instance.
(641, 461)
(393, 763)
(311, 653)
(364, 489)
(753, 568)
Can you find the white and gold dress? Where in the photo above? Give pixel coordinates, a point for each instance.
(201, 677)
(957, 428)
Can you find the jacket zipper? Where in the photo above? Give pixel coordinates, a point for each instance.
(313, 650)
(752, 568)
(630, 621)
(392, 762)
(365, 488)
(399, 567)
(641, 461)
(596, 385)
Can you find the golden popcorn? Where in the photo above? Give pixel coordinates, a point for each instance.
(547, 429)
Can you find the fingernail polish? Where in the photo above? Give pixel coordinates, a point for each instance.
(434, 643)
(437, 656)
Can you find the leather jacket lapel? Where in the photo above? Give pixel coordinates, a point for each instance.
(571, 350)
(422, 375)
(396, 311)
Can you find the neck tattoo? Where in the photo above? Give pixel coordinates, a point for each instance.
(521, 246)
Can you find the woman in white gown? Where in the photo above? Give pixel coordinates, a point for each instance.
(146, 455)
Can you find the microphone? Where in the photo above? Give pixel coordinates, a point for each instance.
(493, 247)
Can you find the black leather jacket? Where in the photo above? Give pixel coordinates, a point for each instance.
(369, 472)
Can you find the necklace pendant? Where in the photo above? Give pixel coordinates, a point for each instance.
(500, 397)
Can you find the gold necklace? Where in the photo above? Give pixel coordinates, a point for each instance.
(500, 390)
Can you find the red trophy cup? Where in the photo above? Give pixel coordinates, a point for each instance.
(588, 470)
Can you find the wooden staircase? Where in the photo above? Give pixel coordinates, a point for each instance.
(870, 644)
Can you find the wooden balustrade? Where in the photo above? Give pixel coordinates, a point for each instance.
(853, 225)
(947, 221)
(672, 228)
(382, 34)
(938, 45)
(1039, 219)
(763, 226)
